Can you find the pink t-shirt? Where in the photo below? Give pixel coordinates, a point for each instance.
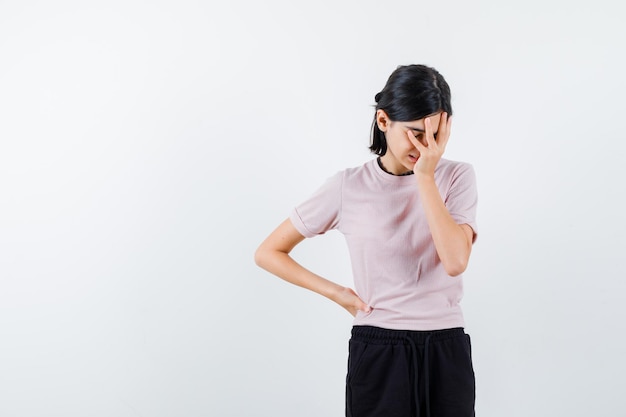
(394, 261)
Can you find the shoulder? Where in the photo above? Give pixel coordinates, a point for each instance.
(360, 169)
(452, 169)
(337, 180)
(364, 172)
(455, 175)
(448, 164)
(352, 174)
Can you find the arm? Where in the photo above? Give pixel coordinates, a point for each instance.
(453, 241)
(273, 256)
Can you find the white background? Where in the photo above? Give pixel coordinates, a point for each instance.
(147, 148)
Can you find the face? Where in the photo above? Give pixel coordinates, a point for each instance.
(401, 155)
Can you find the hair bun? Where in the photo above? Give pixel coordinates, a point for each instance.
(377, 97)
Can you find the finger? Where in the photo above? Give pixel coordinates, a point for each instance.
(415, 141)
(365, 308)
(430, 137)
(443, 120)
(444, 130)
(360, 305)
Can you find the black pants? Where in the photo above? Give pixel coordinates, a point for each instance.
(409, 373)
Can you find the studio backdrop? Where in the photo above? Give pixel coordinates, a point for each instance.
(147, 148)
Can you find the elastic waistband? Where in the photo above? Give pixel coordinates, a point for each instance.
(379, 335)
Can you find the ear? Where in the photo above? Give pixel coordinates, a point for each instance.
(382, 120)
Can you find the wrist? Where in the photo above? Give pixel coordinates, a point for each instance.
(333, 292)
(423, 177)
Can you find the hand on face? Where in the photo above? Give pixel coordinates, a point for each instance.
(431, 153)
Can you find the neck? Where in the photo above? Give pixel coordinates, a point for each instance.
(398, 171)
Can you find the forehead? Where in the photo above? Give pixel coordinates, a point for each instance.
(419, 124)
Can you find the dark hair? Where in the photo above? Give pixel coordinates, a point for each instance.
(412, 92)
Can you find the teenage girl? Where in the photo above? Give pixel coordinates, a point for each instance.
(408, 217)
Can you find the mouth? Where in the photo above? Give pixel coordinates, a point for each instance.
(413, 158)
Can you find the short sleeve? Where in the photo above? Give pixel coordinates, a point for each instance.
(321, 211)
(462, 197)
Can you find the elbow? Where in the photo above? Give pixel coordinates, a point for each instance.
(455, 263)
(259, 258)
(454, 269)
(264, 257)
